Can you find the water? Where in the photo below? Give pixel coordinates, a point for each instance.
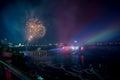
(58, 66)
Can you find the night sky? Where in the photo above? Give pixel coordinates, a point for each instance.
(86, 21)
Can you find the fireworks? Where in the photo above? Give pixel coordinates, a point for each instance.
(35, 29)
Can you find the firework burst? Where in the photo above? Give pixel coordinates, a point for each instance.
(35, 29)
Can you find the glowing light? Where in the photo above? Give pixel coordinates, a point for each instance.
(75, 41)
(63, 47)
(74, 47)
(35, 29)
(77, 47)
(30, 37)
(66, 48)
(81, 48)
(103, 35)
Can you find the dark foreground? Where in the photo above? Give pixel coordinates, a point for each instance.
(93, 63)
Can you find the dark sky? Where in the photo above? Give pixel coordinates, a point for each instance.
(65, 20)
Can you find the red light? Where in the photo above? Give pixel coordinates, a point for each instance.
(81, 48)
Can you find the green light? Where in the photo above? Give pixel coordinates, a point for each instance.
(39, 77)
(14, 52)
(104, 35)
(4, 49)
(10, 50)
(20, 52)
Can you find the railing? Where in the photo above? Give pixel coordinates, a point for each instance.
(16, 72)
